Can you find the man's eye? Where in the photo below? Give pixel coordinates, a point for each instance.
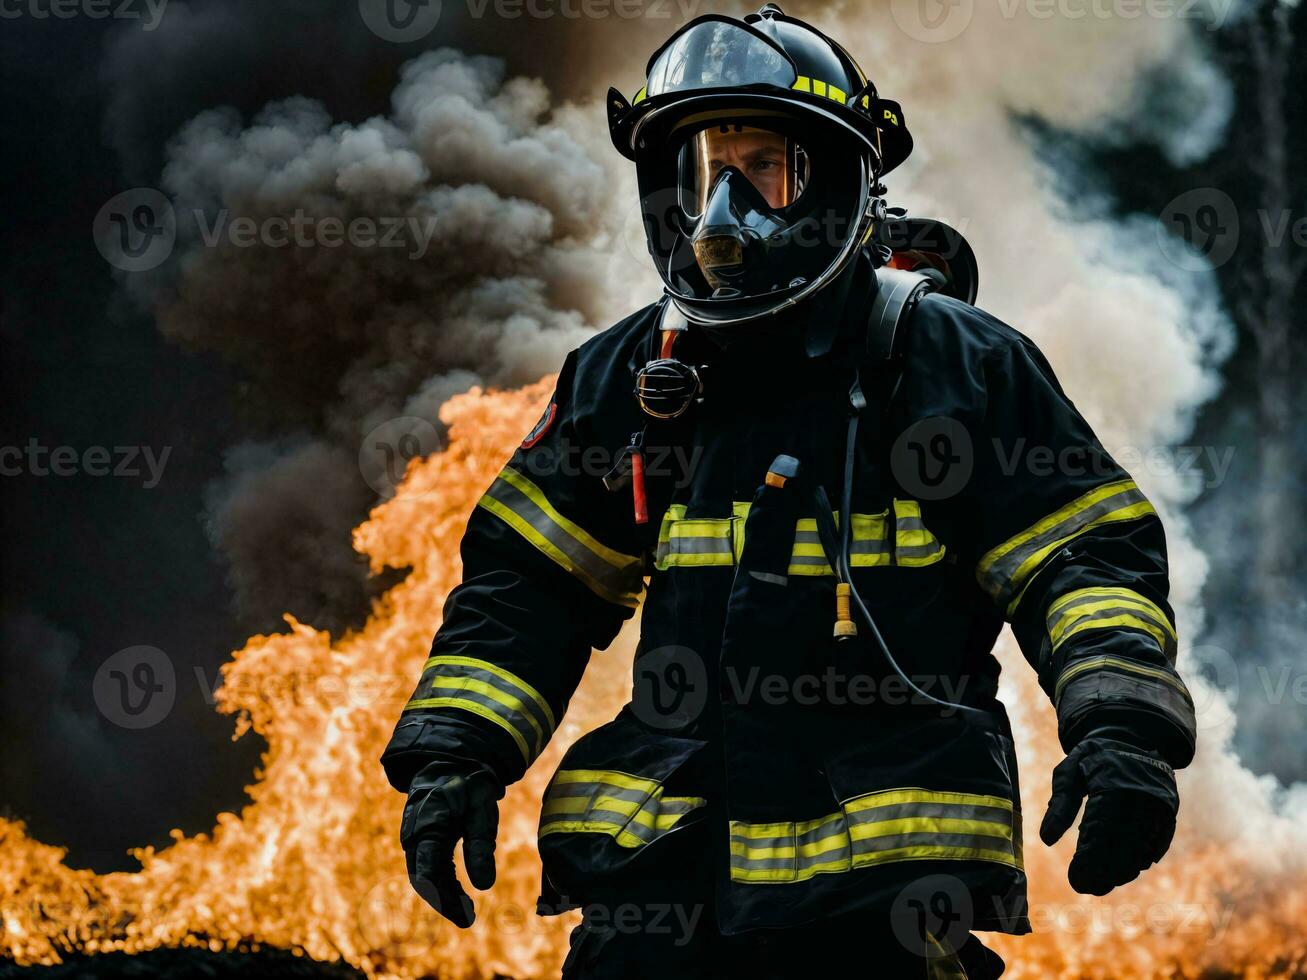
(765, 165)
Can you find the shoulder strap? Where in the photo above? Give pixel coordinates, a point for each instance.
(897, 293)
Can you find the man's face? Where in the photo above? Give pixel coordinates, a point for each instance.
(759, 154)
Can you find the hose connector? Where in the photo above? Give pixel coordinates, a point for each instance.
(845, 627)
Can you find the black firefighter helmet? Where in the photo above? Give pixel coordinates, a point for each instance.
(759, 146)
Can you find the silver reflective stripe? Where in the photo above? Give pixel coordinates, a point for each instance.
(522, 504)
(868, 546)
(695, 546)
(527, 727)
(889, 826)
(586, 806)
(536, 715)
(895, 842)
(955, 811)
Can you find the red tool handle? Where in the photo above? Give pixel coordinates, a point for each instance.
(637, 488)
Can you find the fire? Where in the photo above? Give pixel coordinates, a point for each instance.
(313, 862)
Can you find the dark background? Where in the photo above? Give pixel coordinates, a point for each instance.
(92, 565)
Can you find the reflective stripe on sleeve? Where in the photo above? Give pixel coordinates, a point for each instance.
(878, 828)
(1152, 675)
(1005, 570)
(631, 810)
(492, 693)
(522, 505)
(1106, 608)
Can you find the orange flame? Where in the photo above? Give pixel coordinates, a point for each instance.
(313, 862)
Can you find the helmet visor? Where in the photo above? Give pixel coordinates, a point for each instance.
(775, 164)
(717, 53)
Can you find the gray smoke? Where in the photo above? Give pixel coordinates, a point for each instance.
(359, 274)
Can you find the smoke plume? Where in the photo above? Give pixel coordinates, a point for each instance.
(464, 227)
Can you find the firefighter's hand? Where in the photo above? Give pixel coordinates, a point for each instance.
(447, 802)
(1129, 817)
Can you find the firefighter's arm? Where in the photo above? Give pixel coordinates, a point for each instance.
(550, 571)
(1073, 554)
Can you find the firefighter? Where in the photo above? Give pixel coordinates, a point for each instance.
(819, 478)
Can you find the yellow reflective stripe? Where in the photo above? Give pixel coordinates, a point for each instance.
(920, 852)
(635, 810)
(495, 694)
(817, 86)
(697, 541)
(609, 574)
(915, 545)
(624, 780)
(639, 96)
(505, 675)
(1108, 607)
(889, 797)
(1114, 663)
(740, 514)
(1006, 570)
(930, 825)
(490, 692)
(630, 809)
(477, 709)
(917, 824)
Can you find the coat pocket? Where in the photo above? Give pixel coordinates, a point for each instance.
(608, 802)
(918, 786)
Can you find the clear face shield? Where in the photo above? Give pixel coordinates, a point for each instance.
(775, 164)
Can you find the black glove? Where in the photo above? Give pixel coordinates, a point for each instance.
(446, 801)
(1129, 819)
